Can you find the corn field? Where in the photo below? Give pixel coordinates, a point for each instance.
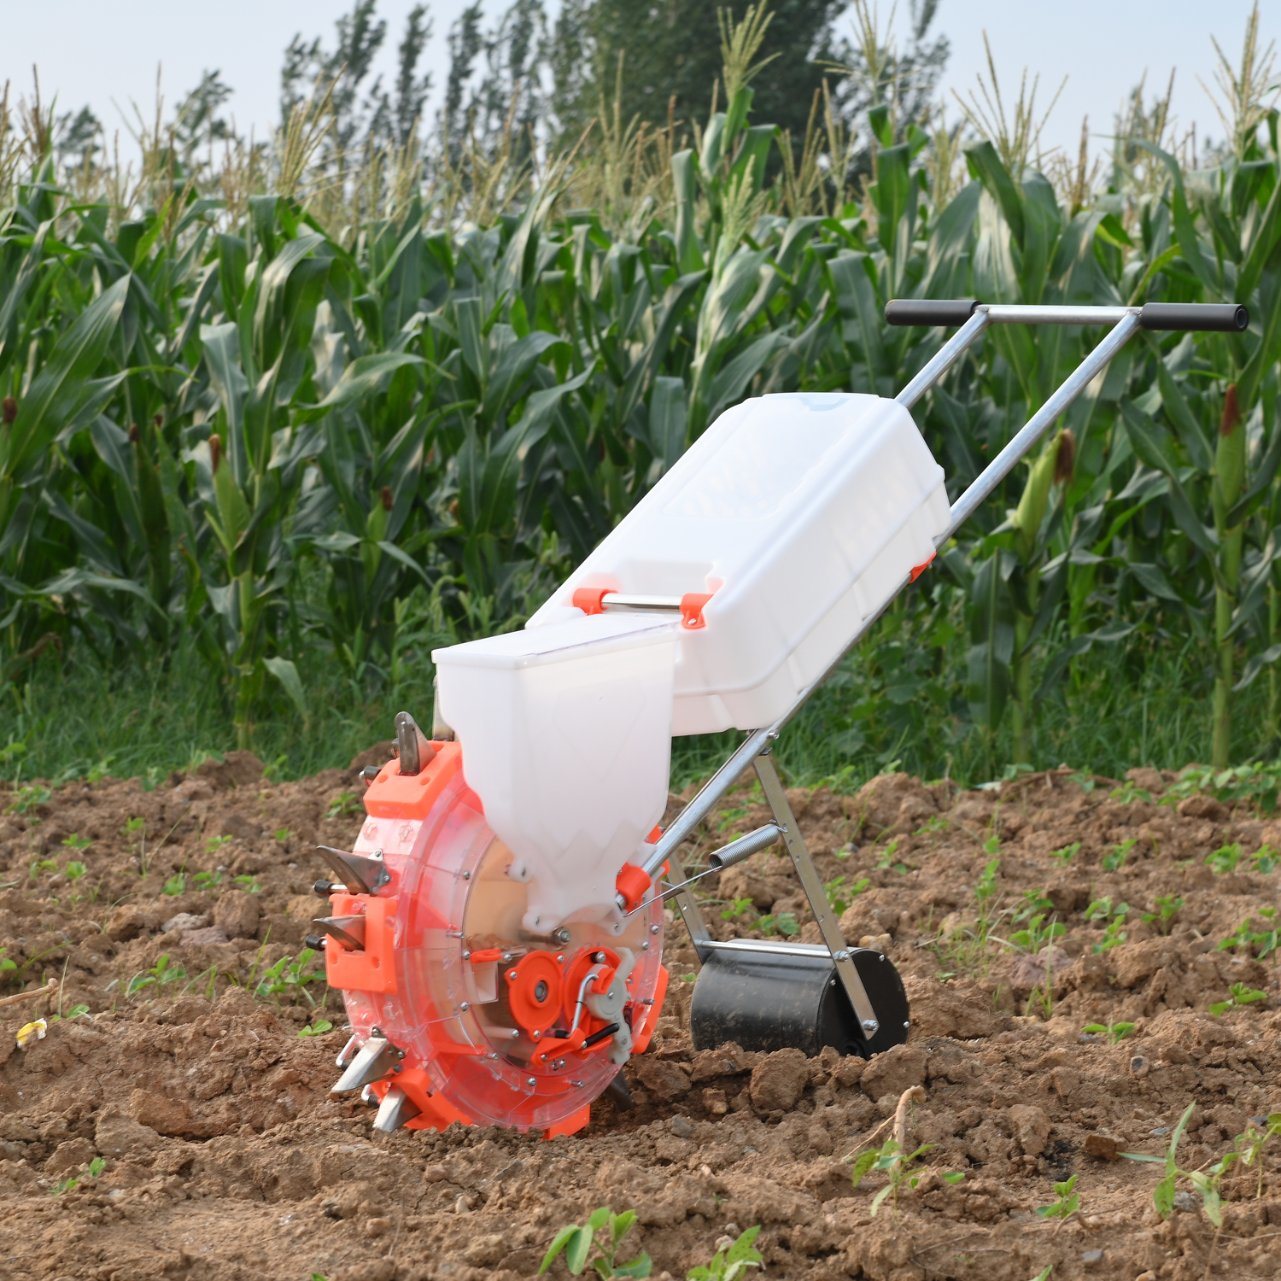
(229, 424)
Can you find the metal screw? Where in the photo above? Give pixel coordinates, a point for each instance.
(870, 1026)
(540, 991)
(653, 929)
(530, 1081)
(466, 955)
(511, 976)
(842, 955)
(463, 1006)
(645, 946)
(466, 876)
(906, 1024)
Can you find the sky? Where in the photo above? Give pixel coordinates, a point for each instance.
(107, 55)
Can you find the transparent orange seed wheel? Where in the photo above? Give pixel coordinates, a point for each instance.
(457, 1014)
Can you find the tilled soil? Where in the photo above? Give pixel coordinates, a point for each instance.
(178, 1073)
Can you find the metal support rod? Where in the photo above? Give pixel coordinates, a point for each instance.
(1040, 422)
(711, 792)
(943, 359)
(812, 884)
(625, 600)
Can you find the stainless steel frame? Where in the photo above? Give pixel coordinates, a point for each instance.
(755, 749)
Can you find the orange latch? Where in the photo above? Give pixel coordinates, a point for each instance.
(917, 570)
(692, 609)
(591, 600)
(631, 884)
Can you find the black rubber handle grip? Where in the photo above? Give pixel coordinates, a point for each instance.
(925, 311)
(1216, 317)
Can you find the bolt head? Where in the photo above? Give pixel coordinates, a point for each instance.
(870, 1026)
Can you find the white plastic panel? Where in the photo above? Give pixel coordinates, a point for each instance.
(566, 736)
(803, 514)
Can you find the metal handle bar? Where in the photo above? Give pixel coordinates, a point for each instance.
(973, 317)
(1209, 317)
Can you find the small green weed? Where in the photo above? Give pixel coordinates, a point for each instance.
(1066, 1203)
(76, 842)
(28, 798)
(732, 1261)
(784, 923)
(1036, 934)
(1265, 859)
(1067, 853)
(1115, 1032)
(1115, 859)
(291, 974)
(597, 1242)
(74, 870)
(841, 891)
(1261, 934)
(1239, 995)
(318, 1028)
(344, 805)
(901, 1170)
(737, 909)
(92, 1171)
(1224, 860)
(1164, 913)
(161, 974)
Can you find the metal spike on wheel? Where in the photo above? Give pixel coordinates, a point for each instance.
(373, 1061)
(394, 1111)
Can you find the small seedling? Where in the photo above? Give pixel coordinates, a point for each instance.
(1066, 1203)
(1033, 901)
(74, 870)
(1036, 935)
(900, 1169)
(247, 883)
(602, 1233)
(1265, 859)
(1129, 792)
(841, 891)
(1165, 912)
(206, 880)
(888, 861)
(737, 910)
(1204, 1182)
(1262, 941)
(134, 826)
(214, 843)
(75, 1012)
(1116, 857)
(92, 1171)
(176, 884)
(318, 1028)
(1239, 995)
(28, 798)
(1114, 1032)
(1224, 860)
(344, 805)
(1067, 853)
(731, 1262)
(282, 834)
(76, 842)
(161, 974)
(291, 974)
(7, 966)
(784, 923)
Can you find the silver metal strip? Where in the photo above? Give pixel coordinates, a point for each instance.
(624, 600)
(943, 359)
(1034, 314)
(1040, 422)
(812, 884)
(768, 947)
(711, 792)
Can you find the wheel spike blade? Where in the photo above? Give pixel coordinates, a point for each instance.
(412, 745)
(372, 1062)
(395, 1109)
(348, 930)
(358, 872)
